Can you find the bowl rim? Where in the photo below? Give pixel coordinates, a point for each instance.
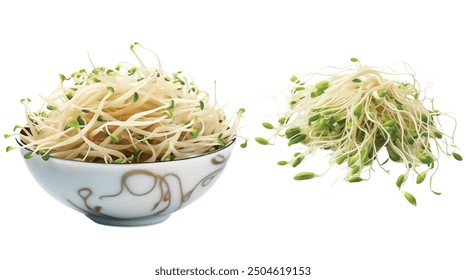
(230, 143)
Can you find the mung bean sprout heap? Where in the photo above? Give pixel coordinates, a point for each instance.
(126, 114)
(357, 112)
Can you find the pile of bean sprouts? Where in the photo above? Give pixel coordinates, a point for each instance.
(126, 114)
(355, 113)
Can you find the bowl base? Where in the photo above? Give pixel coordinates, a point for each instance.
(132, 222)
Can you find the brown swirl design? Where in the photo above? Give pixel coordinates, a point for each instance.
(203, 182)
(218, 159)
(161, 182)
(85, 194)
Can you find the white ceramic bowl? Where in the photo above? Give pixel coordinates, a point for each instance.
(129, 194)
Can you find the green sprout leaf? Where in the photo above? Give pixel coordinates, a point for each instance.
(400, 180)
(282, 162)
(323, 85)
(27, 155)
(194, 132)
(170, 108)
(283, 120)
(267, 125)
(358, 110)
(297, 161)
(426, 159)
(352, 160)
(10, 148)
(131, 71)
(410, 198)
(393, 155)
(381, 93)
(317, 93)
(130, 159)
(80, 120)
(44, 154)
(63, 78)
(72, 124)
(354, 179)
(114, 138)
(305, 176)
(244, 144)
(438, 134)
(25, 101)
(172, 105)
(389, 123)
(297, 139)
(341, 159)
(135, 97)
(367, 151)
(51, 107)
(457, 156)
(262, 141)
(356, 169)
(290, 132)
(169, 114)
(220, 140)
(421, 177)
(313, 118)
(424, 118)
(299, 89)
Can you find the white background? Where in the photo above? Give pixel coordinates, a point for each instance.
(255, 215)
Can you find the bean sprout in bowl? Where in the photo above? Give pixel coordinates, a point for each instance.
(126, 145)
(134, 194)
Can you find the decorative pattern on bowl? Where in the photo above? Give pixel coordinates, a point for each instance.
(129, 194)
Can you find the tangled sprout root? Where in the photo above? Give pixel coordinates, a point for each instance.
(356, 113)
(125, 114)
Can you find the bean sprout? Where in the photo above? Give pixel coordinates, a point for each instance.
(126, 114)
(358, 111)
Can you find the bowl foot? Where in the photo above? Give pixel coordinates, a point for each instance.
(132, 222)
